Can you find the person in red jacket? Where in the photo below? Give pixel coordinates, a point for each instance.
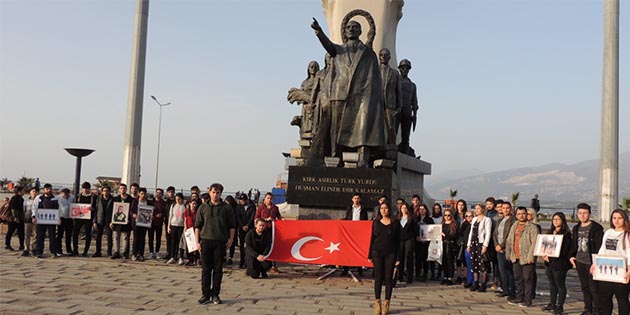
(269, 213)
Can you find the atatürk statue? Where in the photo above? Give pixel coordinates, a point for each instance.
(409, 106)
(357, 90)
(392, 92)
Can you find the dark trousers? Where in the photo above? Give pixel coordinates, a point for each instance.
(100, 228)
(448, 259)
(405, 256)
(422, 253)
(87, 225)
(13, 227)
(233, 247)
(241, 246)
(557, 286)
(255, 268)
(42, 229)
(621, 291)
(588, 286)
(155, 235)
(139, 238)
(176, 235)
(212, 255)
(524, 276)
(383, 273)
(507, 276)
(168, 239)
(65, 228)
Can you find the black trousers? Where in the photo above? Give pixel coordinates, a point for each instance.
(65, 228)
(255, 268)
(100, 228)
(176, 235)
(621, 291)
(383, 273)
(557, 286)
(212, 255)
(588, 286)
(422, 253)
(448, 259)
(139, 238)
(168, 238)
(155, 235)
(233, 247)
(78, 224)
(13, 227)
(42, 229)
(524, 278)
(405, 256)
(241, 245)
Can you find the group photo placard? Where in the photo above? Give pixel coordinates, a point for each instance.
(430, 232)
(120, 215)
(609, 268)
(48, 216)
(145, 215)
(80, 211)
(548, 245)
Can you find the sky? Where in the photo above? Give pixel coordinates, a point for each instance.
(501, 84)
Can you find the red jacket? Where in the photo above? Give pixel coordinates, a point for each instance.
(189, 218)
(263, 213)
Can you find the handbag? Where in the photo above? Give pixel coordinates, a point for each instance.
(460, 253)
(485, 257)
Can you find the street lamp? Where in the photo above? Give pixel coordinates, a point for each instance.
(79, 154)
(157, 164)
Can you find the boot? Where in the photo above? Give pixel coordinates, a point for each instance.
(377, 307)
(385, 308)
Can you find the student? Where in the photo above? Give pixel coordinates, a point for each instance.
(102, 219)
(499, 236)
(519, 249)
(176, 227)
(139, 232)
(45, 201)
(408, 234)
(450, 232)
(65, 200)
(477, 246)
(29, 226)
(422, 247)
(121, 230)
(355, 212)
(16, 210)
(383, 253)
(257, 245)
(557, 268)
(85, 197)
(155, 232)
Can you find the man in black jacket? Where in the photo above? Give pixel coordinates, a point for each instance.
(258, 244)
(45, 201)
(246, 210)
(355, 212)
(101, 220)
(587, 239)
(16, 211)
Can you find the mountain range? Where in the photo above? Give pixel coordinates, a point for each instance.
(555, 183)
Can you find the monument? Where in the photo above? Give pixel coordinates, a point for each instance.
(351, 113)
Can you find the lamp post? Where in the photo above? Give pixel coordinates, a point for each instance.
(157, 163)
(78, 153)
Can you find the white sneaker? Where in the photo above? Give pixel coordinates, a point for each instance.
(181, 261)
(171, 261)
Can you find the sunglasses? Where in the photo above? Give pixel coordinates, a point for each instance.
(447, 215)
(469, 216)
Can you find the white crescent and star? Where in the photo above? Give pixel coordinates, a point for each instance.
(297, 246)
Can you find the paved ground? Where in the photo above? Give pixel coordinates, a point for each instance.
(72, 285)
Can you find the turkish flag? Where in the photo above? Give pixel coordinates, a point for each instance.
(326, 242)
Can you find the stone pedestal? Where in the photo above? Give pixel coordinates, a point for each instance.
(324, 193)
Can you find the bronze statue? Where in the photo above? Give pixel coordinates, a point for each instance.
(303, 96)
(392, 92)
(409, 114)
(323, 144)
(356, 92)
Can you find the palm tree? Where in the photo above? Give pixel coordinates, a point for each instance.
(3, 182)
(452, 193)
(26, 181)
(514, 198)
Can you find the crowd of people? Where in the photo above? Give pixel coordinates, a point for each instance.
(490, 246)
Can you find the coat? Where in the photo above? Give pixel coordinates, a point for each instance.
(527, 244)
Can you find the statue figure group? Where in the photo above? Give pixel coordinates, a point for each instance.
(356, 103)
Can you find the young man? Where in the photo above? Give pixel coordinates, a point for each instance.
(170, 200)
(258, 242)
(587, 239)
(122, 230)
(45, 201)
(249, 210)
(355, 212)
(65, 199)
(16, 209)
(139, 232)
(133, 190)
(520, 245)
(155, 232)
(493, 214)
(102, 219)
(499, 236)
(29, 226)
(215, 229)
(269, 213)
(87, 197)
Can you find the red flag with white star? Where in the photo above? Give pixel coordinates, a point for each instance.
(327, 242)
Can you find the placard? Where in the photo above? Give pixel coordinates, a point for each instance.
(191, 241)
(81, 211)
(48, 216)
(430, 232)
(609, 268)
(145, 215)
(548, 245)
(120, 215)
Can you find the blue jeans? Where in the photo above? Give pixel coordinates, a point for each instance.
(469, 275)
(508, 284)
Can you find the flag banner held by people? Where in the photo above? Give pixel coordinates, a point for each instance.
(81, 211)
(344, 243)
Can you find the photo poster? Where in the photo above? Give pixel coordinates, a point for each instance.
(430, 232)
(145, 215)
(191, 241)
(120, 214)
(609, 268)
(48, 217)
(81, 211)
(548, 245)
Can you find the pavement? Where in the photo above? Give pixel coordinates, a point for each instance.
(77, 285)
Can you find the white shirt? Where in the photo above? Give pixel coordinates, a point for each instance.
(64, 206)
(613, 244)
(356, 213)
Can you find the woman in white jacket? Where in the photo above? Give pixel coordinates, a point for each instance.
(478, 242)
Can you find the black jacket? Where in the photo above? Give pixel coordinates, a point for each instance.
(363, 215)
(16, 208)
(257, 244)
(410, 230)
(562, 261)
(595, 236)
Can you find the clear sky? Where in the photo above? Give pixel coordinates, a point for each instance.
(501, 84)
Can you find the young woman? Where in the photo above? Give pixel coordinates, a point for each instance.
(460, 261)
(176, 227)
(422, 247)
(383, 253)
(190, 214)
(464, 233)
(477, 246)
(436, 215)
(616, 242)
(557, 268)
(408, 234)
(449, 246)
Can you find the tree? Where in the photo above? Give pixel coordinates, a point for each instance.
(26, 182)
(3, 182)
(514, 198)
(452, 193)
